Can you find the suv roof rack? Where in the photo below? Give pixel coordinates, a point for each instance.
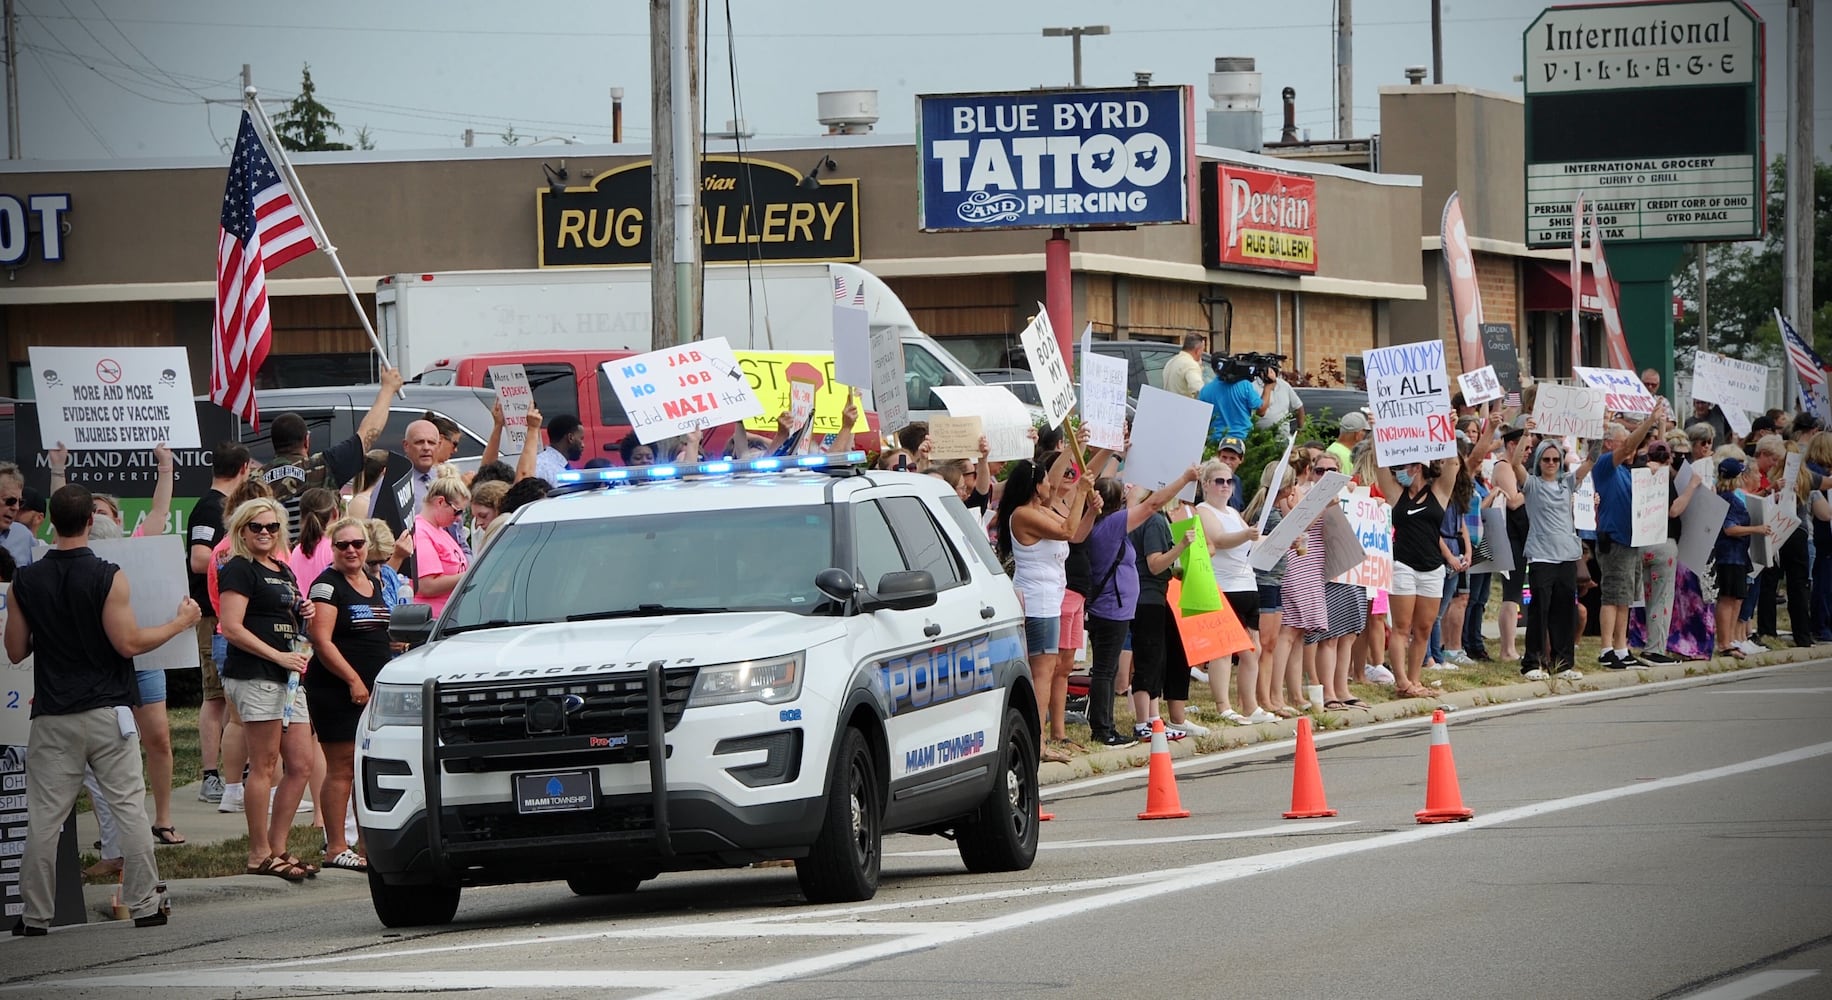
(849, 463)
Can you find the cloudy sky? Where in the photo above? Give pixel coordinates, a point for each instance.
(107, 79)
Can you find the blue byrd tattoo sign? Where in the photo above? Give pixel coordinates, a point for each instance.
(1041, 159)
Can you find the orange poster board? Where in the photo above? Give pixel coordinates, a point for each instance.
(1210, 635)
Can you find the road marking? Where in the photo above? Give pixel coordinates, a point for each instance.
(1063, 845)
(431, 980)
(915, 936)
(1756, 985)
(1775, 691)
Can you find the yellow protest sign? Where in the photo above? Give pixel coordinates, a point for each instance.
(771, 374)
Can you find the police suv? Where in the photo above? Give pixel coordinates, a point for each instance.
(667, 668)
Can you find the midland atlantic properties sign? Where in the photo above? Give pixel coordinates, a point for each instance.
(1041, 159)
(1653, 111)
(750, 209)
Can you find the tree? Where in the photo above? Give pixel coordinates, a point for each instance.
(509, 137)
(1744, 283)
(306, 126)
(364, 140)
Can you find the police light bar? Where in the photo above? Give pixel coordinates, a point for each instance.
(576, 479)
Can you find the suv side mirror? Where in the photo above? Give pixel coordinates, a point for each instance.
(902, 591)
(837, 584)
(411, 623)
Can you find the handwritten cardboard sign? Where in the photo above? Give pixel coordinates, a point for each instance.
(109, 398)
(1103, 398)
(1210, 635)
(1622, 389)
(1004, 419)
(890, 394)
(515, 398)
(955, 437)
(1055, 386)
(1584, 506)
(1480, 386)
(1649, 497)
(680, 389)
(1730, 383)
(774, 376)
(1320, 497)
(1372, 521)
(1409, 392)
(1568, 411)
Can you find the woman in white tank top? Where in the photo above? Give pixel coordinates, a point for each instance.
(1230, 540)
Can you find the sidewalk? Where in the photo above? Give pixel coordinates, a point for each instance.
(197, 822)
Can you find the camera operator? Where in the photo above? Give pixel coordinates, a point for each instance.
(1235, 395)
(1284, 410)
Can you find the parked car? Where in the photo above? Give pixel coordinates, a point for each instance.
(332, 412)
(1024, 386)
(1145, 360)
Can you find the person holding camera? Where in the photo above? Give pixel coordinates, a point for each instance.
(1236, 397)
(1283, 410)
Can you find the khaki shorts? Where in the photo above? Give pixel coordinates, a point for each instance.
(1621, 568)
(213, 681)
(264, 701)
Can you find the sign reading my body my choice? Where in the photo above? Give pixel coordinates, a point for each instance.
(1041, 159)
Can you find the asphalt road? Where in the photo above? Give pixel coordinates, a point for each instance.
(1662, 841)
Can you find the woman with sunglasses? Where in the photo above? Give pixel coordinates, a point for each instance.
(1552, 552)
(349, 647)
(440, 561)
(1230, 541)
(262, 615)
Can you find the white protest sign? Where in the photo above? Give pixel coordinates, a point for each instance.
(1272, 488)
(1584, 506)
(1373, 523)
(680, 389)
(1699, 526)
(1622, 389)
(1704, 468)
(1760, 554)
(1323, 493)
(1409, 392)
(1730, 383)
(1055, 386)
(1495, 536)
(1004, 418)
(890, 395)
(1790, 474)
(114, 397)
(1784, 521)
(1480, 386)
(16, 689)
(1650, 506)
(155, 569)
(1103, 398)
(1738, 419)
(1168, 432)
(516, 399)
(851, 345)
(801, 403)
(1568, 411)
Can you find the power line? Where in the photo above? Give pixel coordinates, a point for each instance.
(75, 111)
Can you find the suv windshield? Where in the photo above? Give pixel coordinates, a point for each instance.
(652, 564)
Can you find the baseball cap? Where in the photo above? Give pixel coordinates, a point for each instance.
(1233, 444)
(1729, 467)
(31, 499)
(1353, 422)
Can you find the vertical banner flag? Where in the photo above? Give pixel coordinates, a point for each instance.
(1465, 296)
(1810, 368)
(1613, 337)
(1409, 392)
(1577, 278)
(1055, 387)
(261, 230)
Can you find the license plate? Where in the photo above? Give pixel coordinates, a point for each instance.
(559, 791)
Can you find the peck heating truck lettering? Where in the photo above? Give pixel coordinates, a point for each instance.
(704, 667)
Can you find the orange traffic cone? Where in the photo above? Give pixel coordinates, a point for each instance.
(1307, 801)
(1161, 800)
(1043, 817)
(1443, 799)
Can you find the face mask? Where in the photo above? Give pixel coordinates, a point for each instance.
(1403, 477)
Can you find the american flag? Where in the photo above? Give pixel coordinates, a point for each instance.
(1811, 370)
(262, 229)
(839, 289)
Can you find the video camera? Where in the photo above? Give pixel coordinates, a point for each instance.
(1233, 368)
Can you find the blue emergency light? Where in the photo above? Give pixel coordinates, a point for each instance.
(582, 479)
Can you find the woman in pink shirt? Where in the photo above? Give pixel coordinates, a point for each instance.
(440, 561)
(318, 507)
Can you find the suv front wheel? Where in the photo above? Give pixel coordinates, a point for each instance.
(842, 866)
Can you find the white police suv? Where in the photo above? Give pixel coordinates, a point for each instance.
(670, 669)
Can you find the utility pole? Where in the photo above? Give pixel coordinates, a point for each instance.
(616, 114)
(1797, 207)
(1437, 41)
(1704, 281)
(1074, 36)
(12, 80)
(674, 171)
(1345, 69)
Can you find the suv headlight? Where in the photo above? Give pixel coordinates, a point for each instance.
(771, 681)
(394, 705)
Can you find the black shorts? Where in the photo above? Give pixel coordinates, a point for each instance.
(1159, 666)
(1246, 606)
(334, 716)
(1733, 581)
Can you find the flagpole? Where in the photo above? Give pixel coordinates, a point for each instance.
(319, 236)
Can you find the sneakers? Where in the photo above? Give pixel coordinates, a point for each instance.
(1378, 673)
(1143, 732)
(1607, 660)
(211, 790)
(1631, 661)
(1187, 728)
(1174, 735)
(1444, 665)
(1659, 657)
(1536, 674)
(231, 802)
(1260, 717)
(1752, 648)
(1115, 740)
(1569, 674)
(1199, 674)
(1235, 717)
(1458, 657)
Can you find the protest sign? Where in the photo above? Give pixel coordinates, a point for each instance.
(1168, 432)
(1211, 635)
(1372, 522)
(1409, 392)
(1341, 545)
(1782, 518)
(16, 688)
(1495, 538)
(1499, 350)
(1649, 497)
(1272, 488)
(680, 389)
(1568, 411)
(93, 398)
(890, 394)
(1200, 591)
(1622, 390)
(1480, 386)
(954, 437)
(516, 399)
(1321, 495)
(1004, 419)
(129, 474)
(851, 345)
(1103, 399)
(1703, 468)
(1055, 386)
(1790, 474)
(1699, 526)
(1584, 506)
(1737, 419)
(155, 570)
(773, 376)
(1760, 554)
(1730, 383)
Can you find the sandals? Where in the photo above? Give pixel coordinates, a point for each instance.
(348, 860)
(166, 836)
(277, 867)
(1335, 706)
(1734, 652)
(1356, 703)
(310, 870)
(1051, 755)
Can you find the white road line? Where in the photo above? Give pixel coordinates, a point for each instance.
(921, 936)
(376, 982)
(1756, 985)
(1192, 838)
(1775, 691)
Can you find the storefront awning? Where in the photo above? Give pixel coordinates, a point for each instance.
(1547, 288)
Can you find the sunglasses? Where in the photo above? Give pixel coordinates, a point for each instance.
(270, 528)
(1550, 458)
(1223, 482)
(349, 543)
(1324, 468)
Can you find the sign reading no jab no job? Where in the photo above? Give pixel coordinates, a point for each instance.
(113, 398)
(1409, 392)
(679, 389)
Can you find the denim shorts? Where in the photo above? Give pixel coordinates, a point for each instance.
(152, 685)
(1271, 598)
(219, 651)
(1041, 635)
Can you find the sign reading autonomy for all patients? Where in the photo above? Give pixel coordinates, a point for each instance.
(1049, 158)
(94, 398)
(1409, 392)
(679, 389)
(1654, 112)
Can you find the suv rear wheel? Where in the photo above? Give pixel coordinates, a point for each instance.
(842, 866)
(1002, 835)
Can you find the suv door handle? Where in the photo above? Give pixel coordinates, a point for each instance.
(932, 629)
(986, 611)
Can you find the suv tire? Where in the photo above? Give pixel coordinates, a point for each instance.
(842, 866)
(412, 905)
(1002, 835)
(604, 882)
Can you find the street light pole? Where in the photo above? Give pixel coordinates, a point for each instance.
(1074, 36)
